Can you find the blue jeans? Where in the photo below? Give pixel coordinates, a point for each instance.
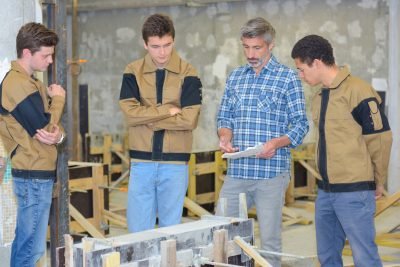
(33, 200)
(155, 188)
(341, 215)
(268, 195)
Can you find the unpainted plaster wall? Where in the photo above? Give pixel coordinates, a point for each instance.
(207, 36)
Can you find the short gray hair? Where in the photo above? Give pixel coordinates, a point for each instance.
(258, 27)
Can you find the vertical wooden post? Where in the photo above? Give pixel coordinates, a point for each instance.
(191, 192)
(168, 253)
(220, 240)
(98, 194)
(69, 253)
(219, 170)
(107, 158)
(243, 206)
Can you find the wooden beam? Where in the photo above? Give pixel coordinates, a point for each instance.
(250, 251)
(194, 207)
(384, 203)
(84, 222)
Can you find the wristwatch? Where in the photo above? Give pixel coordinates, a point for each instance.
(61, 139)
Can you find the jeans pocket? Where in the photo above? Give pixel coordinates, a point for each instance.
(21, 191)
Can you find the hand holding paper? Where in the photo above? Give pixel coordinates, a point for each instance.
(249, 152)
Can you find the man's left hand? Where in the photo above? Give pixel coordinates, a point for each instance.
(49, 138)
(269, 150)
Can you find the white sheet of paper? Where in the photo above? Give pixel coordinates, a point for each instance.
(250, 151)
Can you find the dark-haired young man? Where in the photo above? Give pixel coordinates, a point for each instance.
(160, 98)
(354, 141)
(30, 130)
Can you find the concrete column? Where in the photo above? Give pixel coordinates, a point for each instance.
(394, 94)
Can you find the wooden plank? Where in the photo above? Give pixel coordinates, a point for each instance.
(194, 207)
(220, 167)
(115, 218)
(83, 164)
(69, 252)
(112, 259)
(384, 203)
(191, 191)
(122, 178)
(81, 184)
(76, 228)
(243, 206)
(205, 198)
(220, 239)
(310, 168)
(98, 195)
(122, 156)
(168, 253)
(84, 222)
(115, 168)
(251, 252)
(205, 168)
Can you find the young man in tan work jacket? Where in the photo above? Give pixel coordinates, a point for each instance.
(160, 98)
(353, 148)
(30, 130)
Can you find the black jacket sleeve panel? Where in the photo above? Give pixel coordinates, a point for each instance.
(30, 114)
(129, 88)
(191, 92)
(369, 114)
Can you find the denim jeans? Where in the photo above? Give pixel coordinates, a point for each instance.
(33, 200)
(268, 195)
(341, 215)
(155, 188)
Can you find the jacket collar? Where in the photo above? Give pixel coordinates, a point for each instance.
(15, 66)
(173, 64)
(340, 77)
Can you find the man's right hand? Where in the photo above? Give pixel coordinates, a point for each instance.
(174, 110)
(54, 90)
(226, 146)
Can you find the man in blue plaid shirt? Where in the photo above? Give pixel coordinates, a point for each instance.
(263, 103)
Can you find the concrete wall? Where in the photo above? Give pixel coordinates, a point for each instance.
(207, 36)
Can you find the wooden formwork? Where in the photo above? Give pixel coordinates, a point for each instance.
(302, 159)
(89, 197)
(110, 149)
(216, 166)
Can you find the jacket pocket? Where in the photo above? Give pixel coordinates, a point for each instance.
(375, 115)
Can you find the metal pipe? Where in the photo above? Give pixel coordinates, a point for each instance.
(127, 4)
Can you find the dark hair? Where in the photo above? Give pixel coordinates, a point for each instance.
(258, 27)
(33, 36)
(313, 47)
(157, 25)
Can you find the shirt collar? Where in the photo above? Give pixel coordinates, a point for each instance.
(173, 64)
(270, 66)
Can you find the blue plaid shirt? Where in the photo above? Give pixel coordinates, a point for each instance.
(259, 108)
